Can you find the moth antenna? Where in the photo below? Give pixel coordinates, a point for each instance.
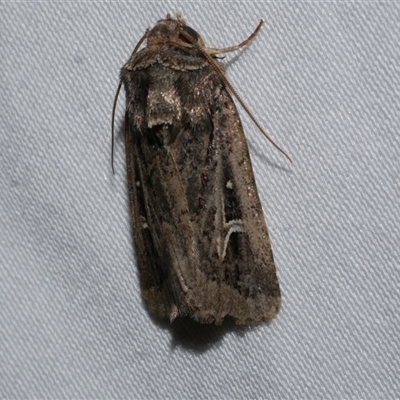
(221, 74)
(112, 125)
(116, 98)
(212, 51)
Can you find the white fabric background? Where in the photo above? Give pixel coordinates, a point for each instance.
(324, 80)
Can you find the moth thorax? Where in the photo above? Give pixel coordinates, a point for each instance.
(165, 134)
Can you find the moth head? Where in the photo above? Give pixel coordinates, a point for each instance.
(174, 30)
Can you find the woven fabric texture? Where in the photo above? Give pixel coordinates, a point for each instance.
(324, 80)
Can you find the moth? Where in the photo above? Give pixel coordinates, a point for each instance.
(201, 239)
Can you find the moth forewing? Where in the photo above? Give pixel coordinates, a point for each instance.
(201, 240)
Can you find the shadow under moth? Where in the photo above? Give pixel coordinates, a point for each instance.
(201, 240)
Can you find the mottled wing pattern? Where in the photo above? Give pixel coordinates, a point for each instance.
(240, 271)
(201, 240)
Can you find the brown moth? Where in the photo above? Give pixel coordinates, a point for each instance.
(201, 240)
